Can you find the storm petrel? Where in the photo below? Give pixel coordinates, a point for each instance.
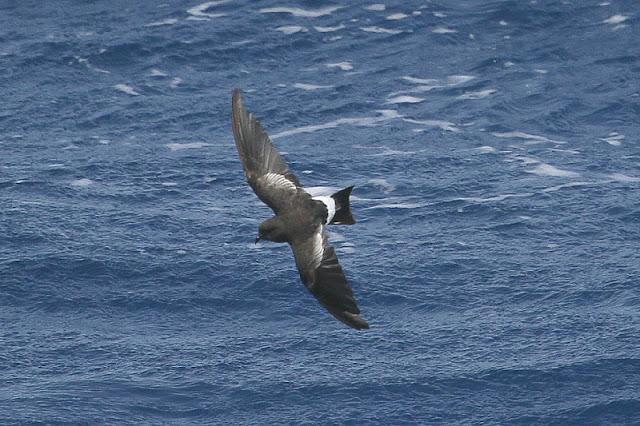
(299, 218)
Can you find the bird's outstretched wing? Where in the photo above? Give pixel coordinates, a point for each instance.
(266, 172)
(322, 275)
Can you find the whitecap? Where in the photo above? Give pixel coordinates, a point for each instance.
(86, 62)
(544, 169)
(443, 30)
(398, 206)
(486, 149)
(619, 177)
(291, 29)
(377, 7)
(158, 73)
(302, 13)
(81, 183)
(191, 145)
(616, 19)
(501, 197)
(397, 16)
(503, 23)
(477, 95)
(385, 115)
(526, 136)
(440, 124)
(169, 184)
(329, 29)
(384, 184)
(439, 14)
(169, 21)
(200, 11)
(566, 185)
(310, 87)
(404, 100)
(344, 66)
(125, 88)
(613, 138)
(380, 30)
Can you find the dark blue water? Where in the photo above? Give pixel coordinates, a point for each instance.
(494, 149)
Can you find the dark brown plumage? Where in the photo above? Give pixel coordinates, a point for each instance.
(299, 219)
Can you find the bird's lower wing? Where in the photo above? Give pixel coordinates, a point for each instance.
(322, 274)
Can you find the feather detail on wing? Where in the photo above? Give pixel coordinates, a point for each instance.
(323, 276)
(266, 171)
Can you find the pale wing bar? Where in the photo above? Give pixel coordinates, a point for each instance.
(265, 170)
(323, 276)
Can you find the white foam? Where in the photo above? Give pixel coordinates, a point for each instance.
(613, 138)
(443, 30)
(329, 29)
(302, 13)
(380, 30)
(428, 84)
(439, 14)
(440, 124)
(398, 206)
(566, 185)
(191, 145)
(486, 149)
(544, 169)
(175, 82)
(377, 7)
(291, 29)
(404, 100)
(344, 66)
(169, 21)
(384, 184)
(397, 16)
(386, 152)
(501, 197)
(420, 80)
(200, 11)
(86, 62)
(81, 183)
(477, 95)
(616, 19)
(385, 115)
(346, 249)
(310, 87)
(503, 23)
(169, 184)
(125, 88)
(526, 136)
(619, 177)
(454, 80)
(158, 73)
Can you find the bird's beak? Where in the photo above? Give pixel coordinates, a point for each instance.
(257, 239)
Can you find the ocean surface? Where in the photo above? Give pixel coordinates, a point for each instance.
(495, 151)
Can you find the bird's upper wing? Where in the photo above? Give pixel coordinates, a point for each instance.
(322, 275)
(264, 168)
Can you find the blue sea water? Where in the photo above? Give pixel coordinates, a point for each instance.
(494, 149)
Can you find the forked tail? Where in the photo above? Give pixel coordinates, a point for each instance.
(342, 215)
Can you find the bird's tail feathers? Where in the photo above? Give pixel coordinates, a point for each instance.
(343, 208)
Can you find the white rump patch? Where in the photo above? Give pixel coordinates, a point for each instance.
(330, 203)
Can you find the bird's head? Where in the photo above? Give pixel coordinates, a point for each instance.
(272, 230)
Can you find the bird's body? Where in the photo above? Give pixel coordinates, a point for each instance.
(299, 218)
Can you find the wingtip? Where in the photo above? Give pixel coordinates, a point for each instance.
(355, 321)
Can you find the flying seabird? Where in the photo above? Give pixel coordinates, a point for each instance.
(299, 218)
